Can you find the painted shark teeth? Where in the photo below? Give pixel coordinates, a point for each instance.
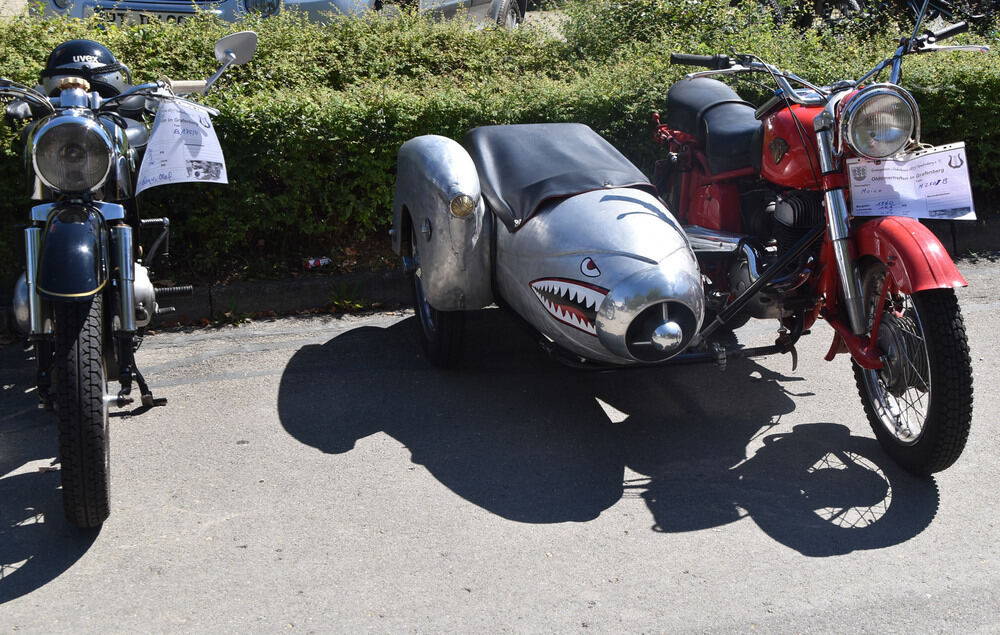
(570, 302)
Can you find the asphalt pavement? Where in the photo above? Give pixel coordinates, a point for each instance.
(314, 474)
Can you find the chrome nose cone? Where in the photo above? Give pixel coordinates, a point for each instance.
(653, 314)
(667, 336)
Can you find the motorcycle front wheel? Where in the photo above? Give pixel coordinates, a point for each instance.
(920, 403)
(440, 331)
(81, 388)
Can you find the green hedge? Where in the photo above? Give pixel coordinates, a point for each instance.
(312, 125)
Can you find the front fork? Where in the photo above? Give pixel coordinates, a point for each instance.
(837, 214)
(36, 324)
(123, 266)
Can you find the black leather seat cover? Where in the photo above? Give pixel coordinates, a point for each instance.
(723, 123)
(521, 166)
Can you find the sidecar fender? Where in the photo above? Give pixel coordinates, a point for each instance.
(914, 256)
(433, 175)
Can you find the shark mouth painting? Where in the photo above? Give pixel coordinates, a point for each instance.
(570, 302)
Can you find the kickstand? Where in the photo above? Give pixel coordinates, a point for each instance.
(129, 370)
(785, 340)
(147, 395)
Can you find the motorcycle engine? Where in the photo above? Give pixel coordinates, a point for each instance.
(795, 213)
(145, 297)
(785, 219)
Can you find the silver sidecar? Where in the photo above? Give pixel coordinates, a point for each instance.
(553, 222)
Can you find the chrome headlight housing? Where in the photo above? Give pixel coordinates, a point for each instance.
(266, 8)
(880, 121)
(72, 154)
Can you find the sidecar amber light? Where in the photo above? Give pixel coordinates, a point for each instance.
(880, 121)
(462, 205)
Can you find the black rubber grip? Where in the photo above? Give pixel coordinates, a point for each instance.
(950, 31)
(715, 62)
(169, 292)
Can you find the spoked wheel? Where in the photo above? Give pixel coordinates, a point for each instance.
(440, 331)
(81, 388)
(920, 403)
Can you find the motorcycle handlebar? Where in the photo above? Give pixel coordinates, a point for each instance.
(189, 87)
(714, 62)
(949, 31)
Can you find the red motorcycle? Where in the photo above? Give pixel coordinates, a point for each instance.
(808, 207)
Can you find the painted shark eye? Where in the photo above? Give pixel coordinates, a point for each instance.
(589, 268)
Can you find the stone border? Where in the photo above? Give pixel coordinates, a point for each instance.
(392, 288)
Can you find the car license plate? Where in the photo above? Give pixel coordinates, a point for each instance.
(122, 17)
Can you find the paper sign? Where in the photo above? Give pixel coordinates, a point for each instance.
(931, 183)
(182, 148)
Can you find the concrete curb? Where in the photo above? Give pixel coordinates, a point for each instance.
(963, 237)
(282, 297)
(389, 288)
(392, 288)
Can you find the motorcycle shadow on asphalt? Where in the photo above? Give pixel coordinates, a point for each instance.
(37, 543)
(532, 441)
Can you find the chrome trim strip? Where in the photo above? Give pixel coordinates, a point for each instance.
(85, 294)
(703, 239)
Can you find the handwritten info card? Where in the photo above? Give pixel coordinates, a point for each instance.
(183, 147)
(928, 183)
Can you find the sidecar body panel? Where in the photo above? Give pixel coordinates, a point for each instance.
(453, 251)
(597, 273)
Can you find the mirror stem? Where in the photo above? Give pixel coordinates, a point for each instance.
(230, 57)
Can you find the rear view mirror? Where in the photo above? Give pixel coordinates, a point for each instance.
(237, 48)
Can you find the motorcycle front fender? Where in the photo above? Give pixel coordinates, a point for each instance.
(912, 254)
(72, 261)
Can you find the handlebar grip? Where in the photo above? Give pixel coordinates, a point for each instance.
(715, 62)
(188, 87)
(950, 31)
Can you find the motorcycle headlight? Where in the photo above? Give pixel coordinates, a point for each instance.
(880, 121)
(72, 154)
(266, 8)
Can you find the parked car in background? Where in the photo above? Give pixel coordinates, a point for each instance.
(503, 12)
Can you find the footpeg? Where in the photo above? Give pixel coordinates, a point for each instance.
(173, 292)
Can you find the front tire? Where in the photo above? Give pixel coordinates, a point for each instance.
(920, 403)
(81, 388)
(509, 15)
(440, 331)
